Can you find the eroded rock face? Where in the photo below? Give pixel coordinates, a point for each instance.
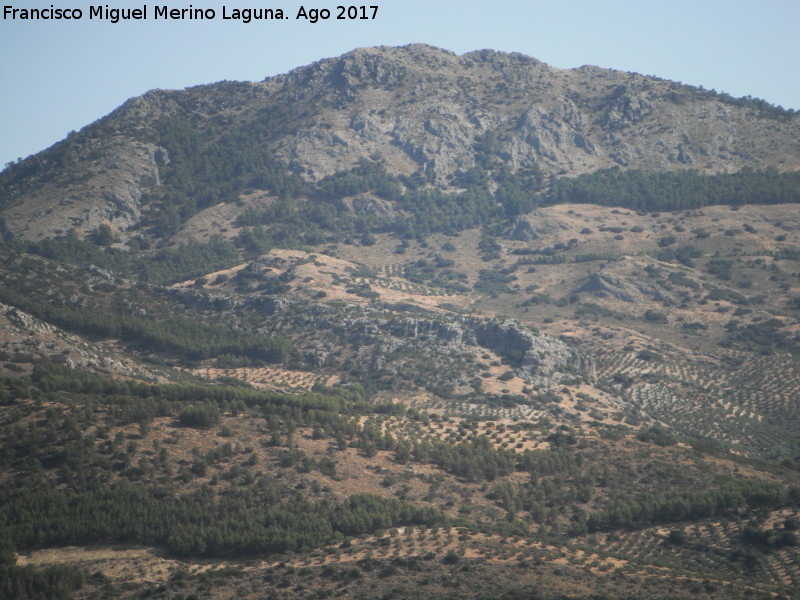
(521, 231)
(540, 358)
(107, 187)
(422, 109)
(25, 321)
(368, 206)
(536, 358)
(604, 285)
(374, 334)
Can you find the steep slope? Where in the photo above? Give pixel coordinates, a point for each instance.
(423, 110)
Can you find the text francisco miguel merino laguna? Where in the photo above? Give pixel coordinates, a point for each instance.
(114, 15)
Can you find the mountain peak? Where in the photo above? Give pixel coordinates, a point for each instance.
(423, 109)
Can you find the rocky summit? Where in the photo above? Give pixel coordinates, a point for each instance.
(405, 324)
(418, 107)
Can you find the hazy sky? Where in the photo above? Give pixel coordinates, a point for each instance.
(57, 76)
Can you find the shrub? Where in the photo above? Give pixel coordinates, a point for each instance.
(202, 415)
(648, 355)
(451, 557)
(667, 241)
(653, 316)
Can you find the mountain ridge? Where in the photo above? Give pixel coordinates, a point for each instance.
(420, 108)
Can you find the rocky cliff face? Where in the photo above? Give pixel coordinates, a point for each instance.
(541, 359)
(104, 186)
(422, 109)
(374, 334)
(633, 290)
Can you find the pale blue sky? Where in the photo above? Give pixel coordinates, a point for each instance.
(62, 75)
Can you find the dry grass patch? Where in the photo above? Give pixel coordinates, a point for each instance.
(118, 563)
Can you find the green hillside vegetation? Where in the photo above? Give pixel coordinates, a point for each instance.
(190, 338)
(88, 470)
(676, 191)
(163, 266)
(426, 210)
(401, 379)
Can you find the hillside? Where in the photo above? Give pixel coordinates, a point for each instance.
(405, 324)
(426, 112)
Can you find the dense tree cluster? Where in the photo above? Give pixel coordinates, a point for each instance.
(422, 209)
(186, 336)
(681, 190)
(736, 495)
(185, 262)
(764, 336)
(214, 165)
(256, 520)
(57, 582)
(77, 487)
(492, 191)
(474, 460)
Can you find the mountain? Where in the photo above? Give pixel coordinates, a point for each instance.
(421, 109)
(405, 324)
